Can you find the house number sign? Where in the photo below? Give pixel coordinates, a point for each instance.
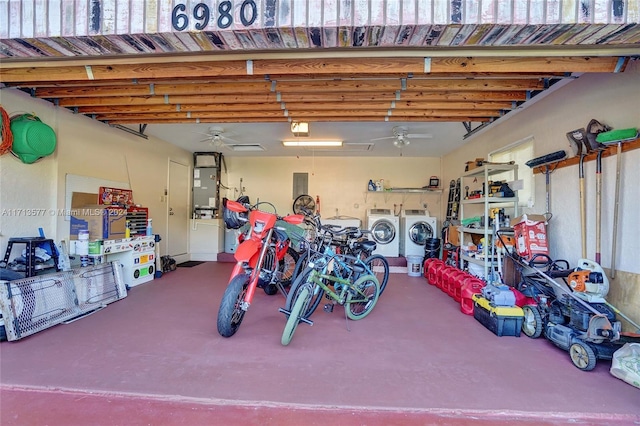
(202, 14)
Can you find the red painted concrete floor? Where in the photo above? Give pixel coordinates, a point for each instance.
(155, 358)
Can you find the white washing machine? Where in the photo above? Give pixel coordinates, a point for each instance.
(385, 231)
(416, 226)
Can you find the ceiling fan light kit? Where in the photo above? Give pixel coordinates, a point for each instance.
(312, 143)
(402, 138)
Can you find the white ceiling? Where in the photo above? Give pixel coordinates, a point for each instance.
(356, 136)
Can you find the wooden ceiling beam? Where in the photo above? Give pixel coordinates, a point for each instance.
(182, 115)
(327, 66)
(403, 113)
(308, 114)
(278, 77)
(460, 96)
(168, 100)
(156, 89)
(253, 88)
(125, 121)
(411, 85)
(142, 109)
(382, 107)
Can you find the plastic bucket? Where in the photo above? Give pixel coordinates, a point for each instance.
(82, 245)
(432, 248)
(414, 266)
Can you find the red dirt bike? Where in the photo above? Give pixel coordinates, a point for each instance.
(261, 260)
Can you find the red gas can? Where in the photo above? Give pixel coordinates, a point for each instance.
(471, 286)
(440, 275)
(451, 283)
(434, 268)
(457, 285)
(428, 262)
(448, 270)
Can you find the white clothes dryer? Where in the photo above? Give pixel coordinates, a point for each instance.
(416, 226)
(385, 231)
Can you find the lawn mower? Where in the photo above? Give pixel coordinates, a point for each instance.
(568, 306)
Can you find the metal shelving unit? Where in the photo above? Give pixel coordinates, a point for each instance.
(487, 256)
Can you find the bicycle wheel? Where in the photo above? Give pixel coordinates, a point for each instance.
(288, 266)
(317, 293)
(301, 264)
(299, 305)
(360, 304)
(230, 313)
(379, 265)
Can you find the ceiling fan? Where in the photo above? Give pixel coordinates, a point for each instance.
(216, 137)
(402, 138)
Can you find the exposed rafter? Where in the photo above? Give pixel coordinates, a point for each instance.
(444, 89)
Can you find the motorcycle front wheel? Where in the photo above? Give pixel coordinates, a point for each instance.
(230, 313)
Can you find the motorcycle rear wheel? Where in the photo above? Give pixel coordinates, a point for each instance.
(230, 313)
(286, 266)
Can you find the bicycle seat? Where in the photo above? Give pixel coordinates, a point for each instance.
(366, 245)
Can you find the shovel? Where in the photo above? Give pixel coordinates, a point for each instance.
(578, 141)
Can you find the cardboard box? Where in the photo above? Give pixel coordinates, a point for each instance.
(453, 235)
(470, 165)
(530, 235)
(103, 222)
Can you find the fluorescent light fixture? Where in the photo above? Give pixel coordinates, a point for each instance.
(300, 128)
(312, 143)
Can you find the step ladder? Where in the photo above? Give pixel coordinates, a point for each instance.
(453, 203)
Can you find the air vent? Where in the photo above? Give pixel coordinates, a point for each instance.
(346, 147)
(246, 147)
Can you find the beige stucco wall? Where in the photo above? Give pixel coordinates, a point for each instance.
(341, 183)
(84, 148)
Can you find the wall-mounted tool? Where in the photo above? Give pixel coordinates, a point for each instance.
(546, 161)
(577, 140)
(593, 129)
(608, 138)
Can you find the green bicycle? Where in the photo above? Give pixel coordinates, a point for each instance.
(353, 288)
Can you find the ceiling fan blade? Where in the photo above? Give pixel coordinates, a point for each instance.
(381, 139)
(420, 135)
(229, 140)
(201, 133)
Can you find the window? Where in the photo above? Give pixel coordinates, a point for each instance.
(520, 151)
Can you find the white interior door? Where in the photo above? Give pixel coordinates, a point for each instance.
(178, 205)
